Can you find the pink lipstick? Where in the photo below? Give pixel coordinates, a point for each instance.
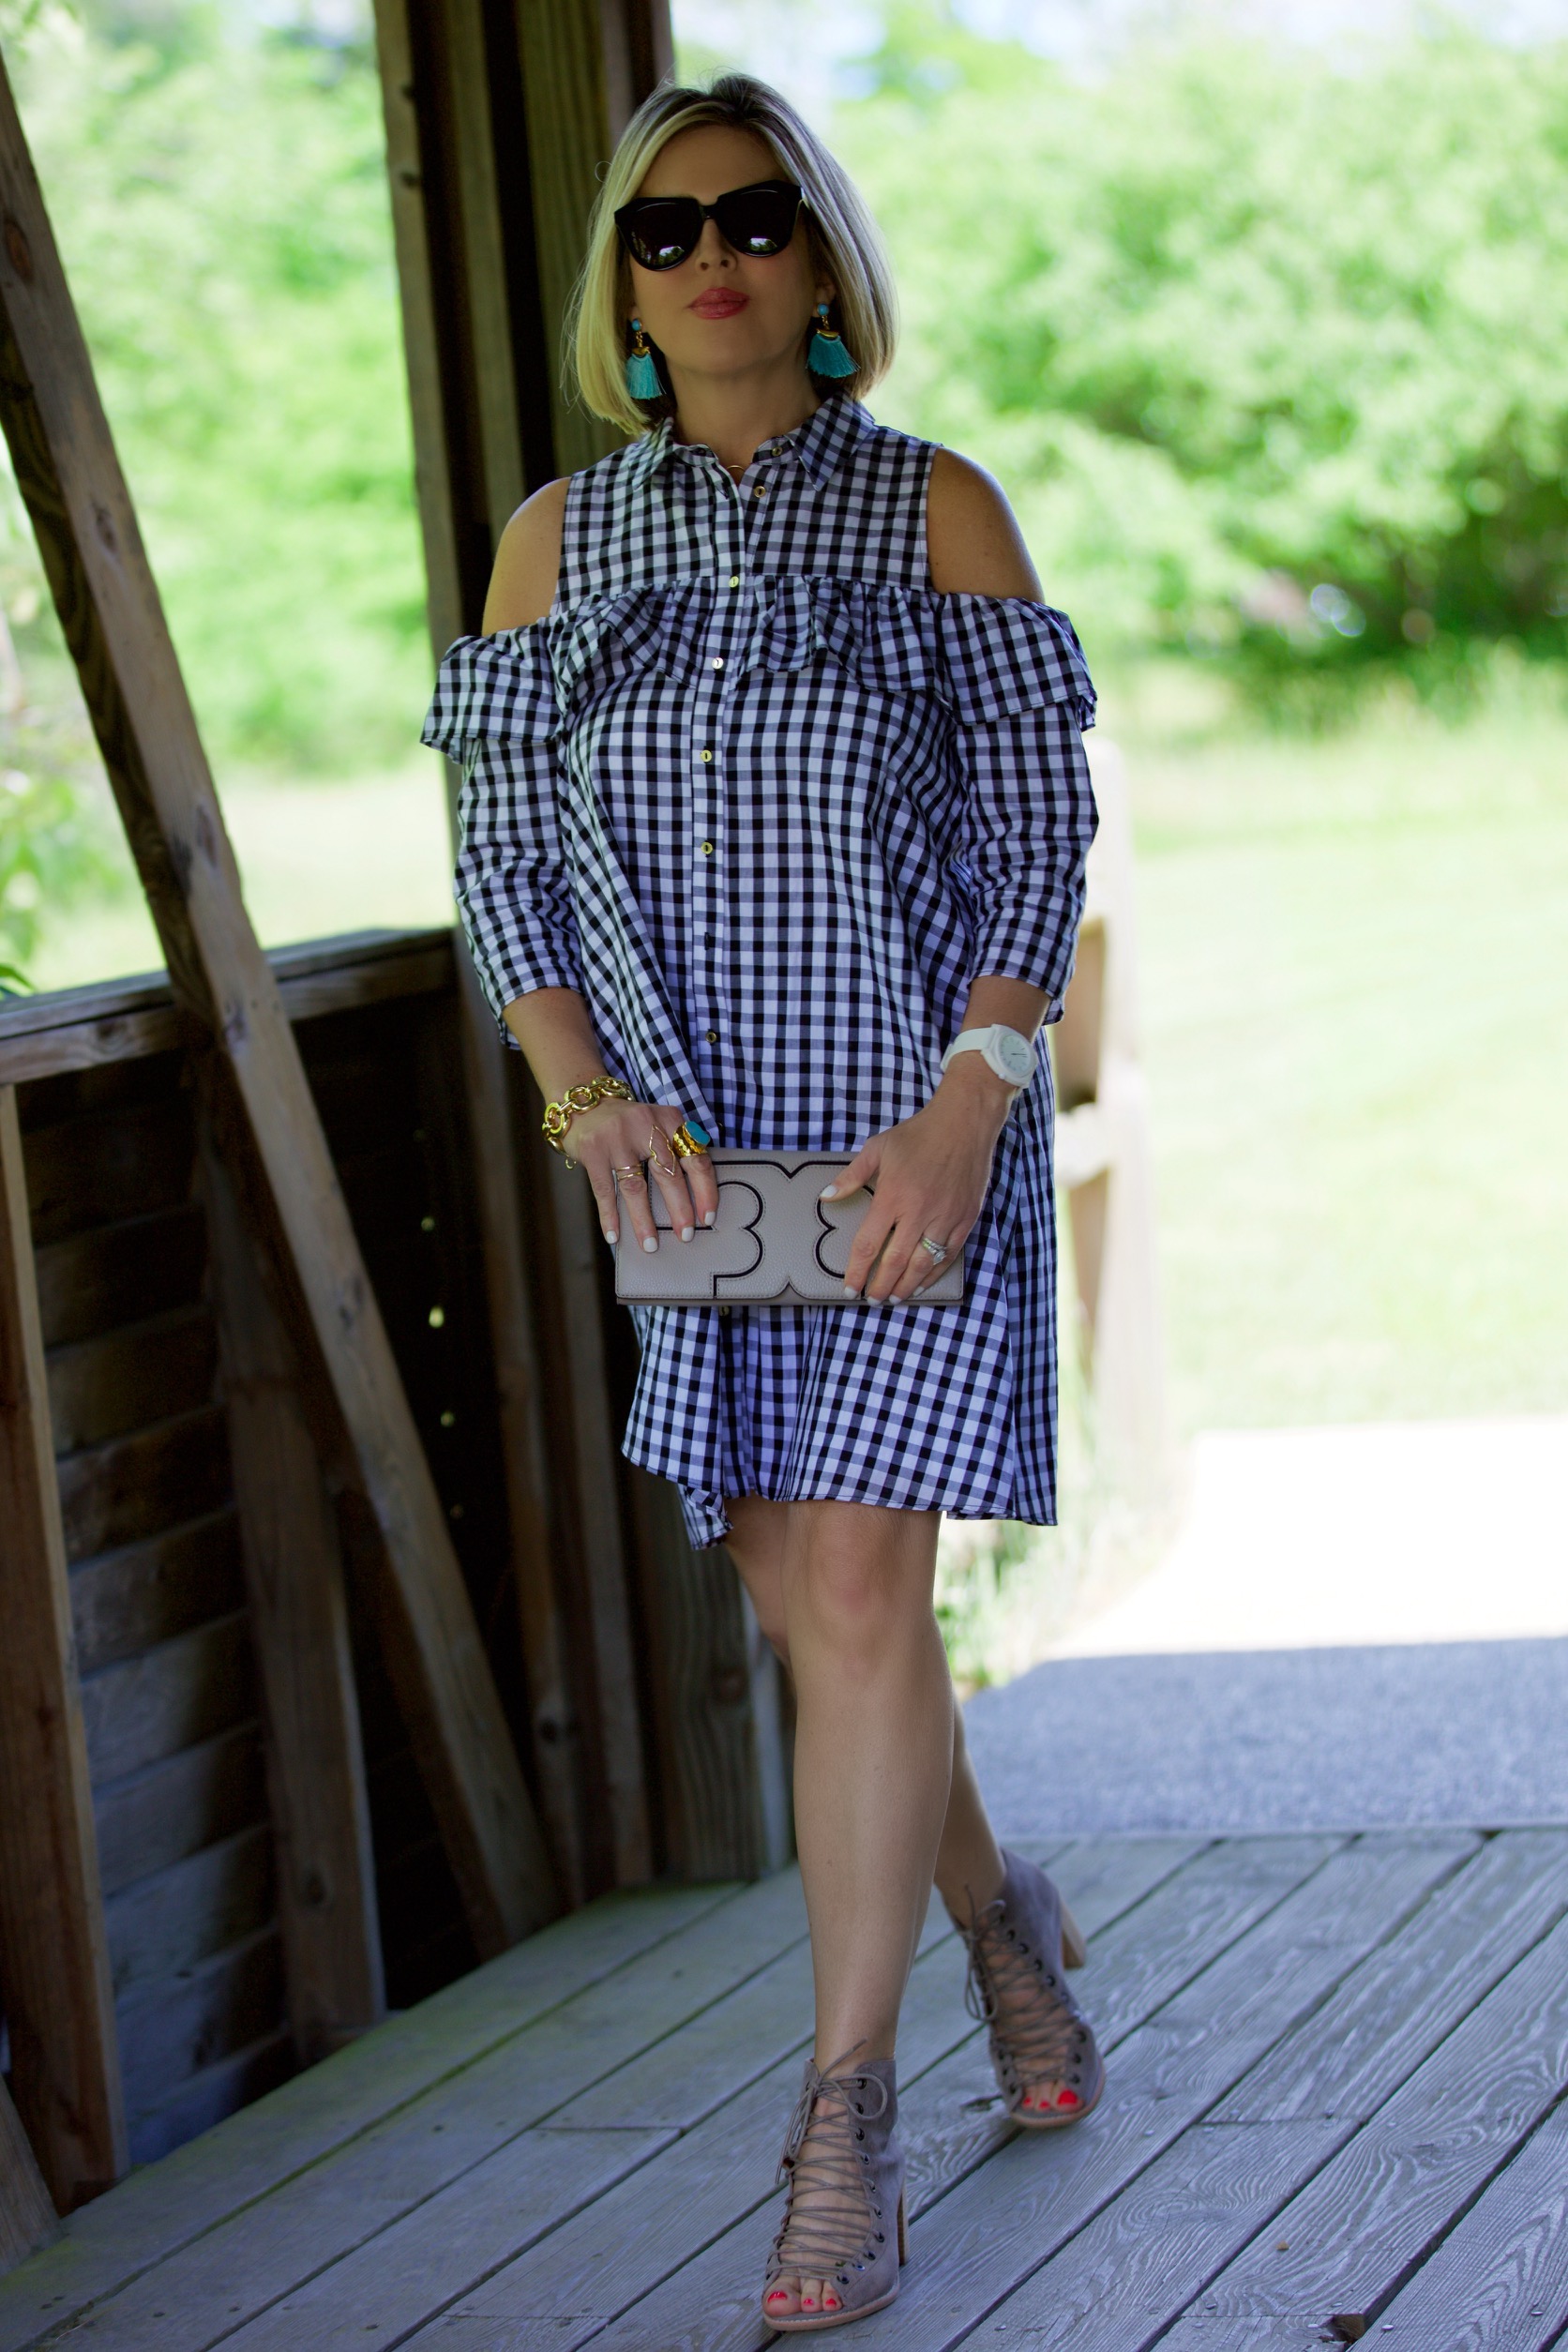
(720, 302)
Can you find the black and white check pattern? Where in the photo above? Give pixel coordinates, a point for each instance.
(771, 802)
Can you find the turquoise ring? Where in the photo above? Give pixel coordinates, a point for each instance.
(689, 1138)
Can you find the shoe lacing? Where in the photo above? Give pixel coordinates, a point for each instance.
(824, 2166)
(1011, 1989)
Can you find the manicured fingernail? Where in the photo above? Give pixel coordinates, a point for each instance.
(708, 1215)
(650, 1243)
(610, 1235)
(829, 1192)
(686, 1232)
(850, 1293)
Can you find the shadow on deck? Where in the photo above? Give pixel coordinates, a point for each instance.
(1335, 2069)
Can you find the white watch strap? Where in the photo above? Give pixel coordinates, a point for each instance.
(981, 1041)
(967, 1041)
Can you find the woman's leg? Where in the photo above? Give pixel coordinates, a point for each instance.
(873, 1762)
(873, 1754)
(850, 1960)
(969, 1863)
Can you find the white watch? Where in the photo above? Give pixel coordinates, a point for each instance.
(1006, 1050)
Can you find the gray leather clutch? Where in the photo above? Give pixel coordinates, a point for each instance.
(772, 1244)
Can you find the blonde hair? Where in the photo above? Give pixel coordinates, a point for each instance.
(844, 238)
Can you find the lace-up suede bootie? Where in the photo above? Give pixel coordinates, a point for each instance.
(1021, 1945)
(844, 2217)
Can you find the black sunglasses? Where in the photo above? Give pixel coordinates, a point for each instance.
(661, 231)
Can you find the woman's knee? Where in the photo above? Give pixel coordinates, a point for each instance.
(861, 1576)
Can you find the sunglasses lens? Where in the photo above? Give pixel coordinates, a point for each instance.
(659, 234)
(759, 220)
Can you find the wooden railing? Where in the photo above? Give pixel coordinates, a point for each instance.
(1104, 1160)
(135, 1720)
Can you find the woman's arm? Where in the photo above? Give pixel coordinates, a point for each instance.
(527, 561)
(552, 1027)
(974, 548)
(551, 1024)
(931, 1171)
(972, 541)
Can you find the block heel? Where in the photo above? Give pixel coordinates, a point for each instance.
(1021, 1945)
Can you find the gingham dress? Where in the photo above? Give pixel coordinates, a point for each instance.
(770, 802)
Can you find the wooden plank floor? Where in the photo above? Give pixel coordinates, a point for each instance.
(1335, 2064)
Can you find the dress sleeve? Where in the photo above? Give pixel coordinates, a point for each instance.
(494, 714)
(1021, 700)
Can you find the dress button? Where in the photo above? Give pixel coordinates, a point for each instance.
(704, 755)
(734, 580)
(760, 490)
(713, 1036)
(718, 661)
(707, 849)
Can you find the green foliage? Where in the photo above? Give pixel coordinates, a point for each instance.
(54, 844)
(219, 195)
(1270, 346)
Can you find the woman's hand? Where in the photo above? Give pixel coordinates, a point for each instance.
(613, 1140)
(931, 1174)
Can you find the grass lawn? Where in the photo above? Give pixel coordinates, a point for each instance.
(1356, 988)
(315, 857)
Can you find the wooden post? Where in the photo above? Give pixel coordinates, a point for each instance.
(585, 1383)
(326, 1888)
(1104, 1162)
(716, 1702)
(27, 2218)
(497, 122)
(113, 624)
(54, 1976)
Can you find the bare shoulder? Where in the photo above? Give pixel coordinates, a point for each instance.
(527, 561)
(973, 538)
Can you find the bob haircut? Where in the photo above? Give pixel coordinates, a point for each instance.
(844, 239)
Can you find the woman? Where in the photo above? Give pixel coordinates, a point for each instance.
(775, 792)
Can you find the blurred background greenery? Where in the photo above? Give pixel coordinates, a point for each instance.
(1263, 324)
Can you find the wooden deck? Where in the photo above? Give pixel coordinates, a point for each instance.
(1336, 2065)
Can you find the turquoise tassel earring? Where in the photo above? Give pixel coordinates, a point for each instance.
(825, 354)
(641, 374)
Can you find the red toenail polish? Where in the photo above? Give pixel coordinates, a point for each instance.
(1068, 2099)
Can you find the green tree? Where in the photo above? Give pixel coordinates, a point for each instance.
(219, 192)
(1271, 345)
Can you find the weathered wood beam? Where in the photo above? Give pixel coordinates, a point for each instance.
(638, 52)
(604, 1566)
(55, 1976)
(299, 1629)
(500, 116)
(715, 1702)
(481, 323)
(114, 623)
(472, 469)
(27, 2218)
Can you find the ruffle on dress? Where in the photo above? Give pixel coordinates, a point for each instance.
(984, 659)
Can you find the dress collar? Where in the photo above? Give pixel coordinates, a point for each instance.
(821, 445)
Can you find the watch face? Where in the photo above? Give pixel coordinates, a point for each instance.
(1016, 1057)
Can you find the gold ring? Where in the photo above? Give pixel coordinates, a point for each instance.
(689, 1142)
(654, 1139)
(631, 1174)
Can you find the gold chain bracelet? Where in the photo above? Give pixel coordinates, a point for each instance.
(559, 1116)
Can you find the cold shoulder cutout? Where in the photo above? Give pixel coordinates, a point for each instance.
(771, 802)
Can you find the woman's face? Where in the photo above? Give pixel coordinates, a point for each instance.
(722, 313)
